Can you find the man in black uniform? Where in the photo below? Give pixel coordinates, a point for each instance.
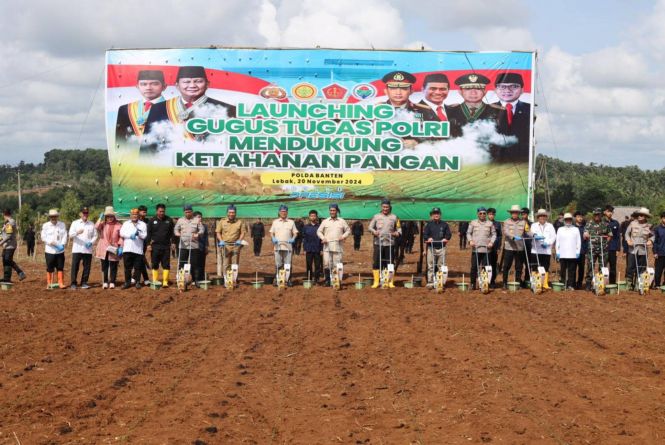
(192, 83)
(463, 227)
(472, 88)
(357, 231)
(509, 87)
(297, 246)
(258, 232)
(133, 116)
(494, 253)
(614, 243)
(143, 216)
(528, 243)
(29, 238)
(158, 242)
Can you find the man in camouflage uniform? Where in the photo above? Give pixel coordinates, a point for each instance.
(481, 234)
(598, 232)
(638, 237)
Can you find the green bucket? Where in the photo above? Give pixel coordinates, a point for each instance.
(662, 289)
(612, 289)
(257, 284)
(6, 286)
(155, 285)
(408, 284)
(558, 286)
(218, 281)
(513, 286)
(360, 285)
(622, 285)
(307, 284)
(205, 284)
(463, 287)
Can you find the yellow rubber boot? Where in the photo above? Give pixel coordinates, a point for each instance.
(61, 279)
(546, 284)
(155, 276)
(391, 283)
(376, 278)
(165, 278)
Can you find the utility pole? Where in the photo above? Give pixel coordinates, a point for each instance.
(19, 190)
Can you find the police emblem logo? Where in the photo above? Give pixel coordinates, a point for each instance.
(272, 92)
(334, 92)
(398, 76)
(364, 91)
(304, 91)
(473, 77)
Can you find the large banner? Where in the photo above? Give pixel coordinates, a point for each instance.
(264, 127)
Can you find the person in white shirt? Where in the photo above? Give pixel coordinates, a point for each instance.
(83, 235)
(544, 237)
(133, 232)
(568, 246)
(332, 232)
(54, 236)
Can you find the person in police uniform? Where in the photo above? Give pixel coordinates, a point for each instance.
(133, 116)
(8, 243)
(482, 235)
(386, 227)
(509, 88)
(231, 232)
(472, 88)
(639, 238)
(192, 84)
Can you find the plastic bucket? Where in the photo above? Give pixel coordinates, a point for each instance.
(307, 284)
(622, 285)
(218, 281)
(513, 286)
(409, 284)
(612, 289)
(155, 285)
(463, 287)
(6, 286)
(558, 286)
(257, 284)
(360, 285)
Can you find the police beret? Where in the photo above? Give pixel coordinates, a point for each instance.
(283, 207)
(231, 207)
(509, 78)
(436, 77)
(481, 209)
(187, 207)
(399, 79)
(191, 72)
(385, 201)
(151, 75)
(472, 80)
(435, 210)
(333, 206)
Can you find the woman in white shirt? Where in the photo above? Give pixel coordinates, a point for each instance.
(544, 237)
(568, 245)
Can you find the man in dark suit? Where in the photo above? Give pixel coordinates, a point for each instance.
(509, 88)
(133, 116)
(192, 83)
(435, 90)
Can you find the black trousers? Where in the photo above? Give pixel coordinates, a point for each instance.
(660, 268)
(612, 263)
(109, 269)
(632, 267)
(510, 257)
(356, 242)
(544, 261)
(55, 261)
(462, 240)
(31, 248)
(160, 255)
(568, 267)
(386, 255)
(478, 259)
(8, 264)
(494, 258)
(194, 262)
(409, 244)
(297, 246)
(77, 259)
(313, 265)
(579, 264)
(257, 246)
(133, 263)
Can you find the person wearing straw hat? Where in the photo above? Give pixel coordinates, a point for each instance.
(54, 236)
(598, 235)
(159, 242)
(332, 232)
(83, 235)
(109, 246)
(513, 245)
(8, 243)
(385, 226)
(544, 237)
(481, 235)
(230, 232)
(639, 237)
(133, 233)
(568, 246)
(659, 250)
(283, 233)
(436, 233)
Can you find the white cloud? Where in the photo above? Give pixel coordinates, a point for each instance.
(504, 39)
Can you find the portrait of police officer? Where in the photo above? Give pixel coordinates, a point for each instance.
(509, 88)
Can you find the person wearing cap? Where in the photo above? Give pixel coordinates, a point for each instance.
(580, 223)
(357, 230)
(435, 91)
(83, 235)
(639, 238)
(436, 233)
(568, 247)
(509, 88)
(230, 233)
(513, 245)
(133, 116)
(385, 227)
(659, 250)
(614, 243)
(494, 252)
(312, 246)
(133, 233)
(258, 232)
(8, 243)
(332, 232)
(524, 214)
(54, 236)
(158, 244)
(544, 236)
(472, 89)
(187, 229)
(283, 233)
(481, 235)
(192, 84)
(597, 233)
(109, 247)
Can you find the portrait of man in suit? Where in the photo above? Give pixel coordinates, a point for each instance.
(509, 88)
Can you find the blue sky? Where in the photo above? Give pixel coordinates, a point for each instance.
(597, 59)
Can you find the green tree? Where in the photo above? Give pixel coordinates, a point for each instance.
(25, 217)
(70, 206)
